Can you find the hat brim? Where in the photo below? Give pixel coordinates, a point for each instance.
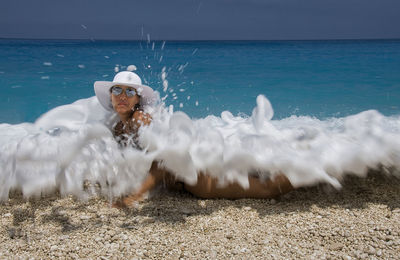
(102, 91)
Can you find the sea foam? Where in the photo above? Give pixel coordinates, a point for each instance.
(71, 149)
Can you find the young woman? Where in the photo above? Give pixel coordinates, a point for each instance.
(126, 96)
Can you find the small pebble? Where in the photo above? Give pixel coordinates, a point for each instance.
(371, 251)
(148, 220)
(187, 211)
(204, 249)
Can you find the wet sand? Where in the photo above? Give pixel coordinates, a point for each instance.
(360, 221)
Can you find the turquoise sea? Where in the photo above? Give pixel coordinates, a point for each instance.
(321, 79)
(312, 110)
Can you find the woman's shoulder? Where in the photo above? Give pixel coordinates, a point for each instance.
(143, 117)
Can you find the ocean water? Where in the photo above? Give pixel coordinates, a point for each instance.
(315, 78)
(313, 110)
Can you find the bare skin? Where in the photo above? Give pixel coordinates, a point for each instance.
(206, 186)
(124, 105)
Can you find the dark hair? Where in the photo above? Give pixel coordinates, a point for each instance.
(137, 107)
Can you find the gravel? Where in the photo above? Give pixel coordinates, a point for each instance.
(360, 221)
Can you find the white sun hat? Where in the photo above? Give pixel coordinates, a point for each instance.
(123, 78)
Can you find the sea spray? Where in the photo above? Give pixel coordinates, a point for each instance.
(72, 145)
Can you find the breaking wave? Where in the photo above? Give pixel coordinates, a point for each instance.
(71, 149)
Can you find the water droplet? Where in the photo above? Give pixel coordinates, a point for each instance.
(165, 85)
(131, 68)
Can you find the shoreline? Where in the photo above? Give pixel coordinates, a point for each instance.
(362, 220)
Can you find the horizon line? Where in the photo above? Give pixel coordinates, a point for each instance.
(202, 40)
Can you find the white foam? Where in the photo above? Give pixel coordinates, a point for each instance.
(131, 68)
(73, 143)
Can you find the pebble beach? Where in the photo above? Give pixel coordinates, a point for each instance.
(360, 221)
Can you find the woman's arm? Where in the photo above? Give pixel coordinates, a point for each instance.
(155, 177)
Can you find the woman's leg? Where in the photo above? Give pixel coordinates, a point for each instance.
(207, 187)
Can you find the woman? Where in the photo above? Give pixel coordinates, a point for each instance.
(126, 96)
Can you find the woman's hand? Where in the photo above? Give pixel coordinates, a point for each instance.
(156, 175)
(141, 118)
(127, 202)
(119, 204)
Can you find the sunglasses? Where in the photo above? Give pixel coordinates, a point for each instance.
(129, 92)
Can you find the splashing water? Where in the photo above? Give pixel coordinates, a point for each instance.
(73, 144)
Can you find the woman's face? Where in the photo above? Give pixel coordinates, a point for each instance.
(122, 103)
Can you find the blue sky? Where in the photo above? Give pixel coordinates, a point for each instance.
(200, 19)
